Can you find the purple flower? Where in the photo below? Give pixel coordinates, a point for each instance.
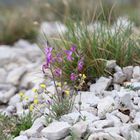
(44, 66)
(59, 57)
(73, 76)
(80, 65)
(58, 72)
(48, 52)
(73, 48)
(53, 59)
(69, 55)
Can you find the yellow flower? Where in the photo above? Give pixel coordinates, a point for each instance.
(36, 96)
(34, 90)
(58, 84)
(26, 98)
(31, 107)
(35, 101)
(67, 92)
(84, 76)
(43, 85)
(21, 94)
(65, 83)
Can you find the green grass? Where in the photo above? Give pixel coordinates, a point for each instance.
(12, 126)
(6, 126)
(16, 24)
(22, 123)
(87, 10)
(61, 108)
(99, 46)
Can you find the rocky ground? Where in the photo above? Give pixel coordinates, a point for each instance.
(19, 70)
(110, 109)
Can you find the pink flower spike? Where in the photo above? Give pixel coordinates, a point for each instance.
(73, 76)
(59, 57)
(58, 72)
(73, 48)
(80, 65)
(44, 66)
(48, 52)
(69, 55)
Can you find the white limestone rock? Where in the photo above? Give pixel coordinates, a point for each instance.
(56, 130)
(15, 99)
(117, 87)
(111, 64)
(136, 85)
(119, 77)
(3, 75)
(21, 137)
(100, 135)
(68, 138)
(136, 72)
(116, 136)
(133, 114)
(79, 129)
(15, 75)
(105, 105)
(22, 44)
(102, 124)
(9, 94)
(126, 100)
(111, 130)
(7, 57)
(118, 69)
(36, 128)
(137, 118)
(1, 97)
(128, 71)
(5, 97)
(72, 118)
(40, 138)
(124, 118)
(114, 132)
(115, 119)
(52, 28)
(136, 100)
(127, 128)
(87, 98)
(10, 109)
(102, 84)
(135, 135)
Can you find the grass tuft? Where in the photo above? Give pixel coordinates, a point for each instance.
(98, 45)
(12, 126)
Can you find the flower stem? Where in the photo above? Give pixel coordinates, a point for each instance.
(54, 82)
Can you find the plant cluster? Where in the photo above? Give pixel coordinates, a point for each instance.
(79, 57)
(12, 126)
(99, 45)
(61, 101)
